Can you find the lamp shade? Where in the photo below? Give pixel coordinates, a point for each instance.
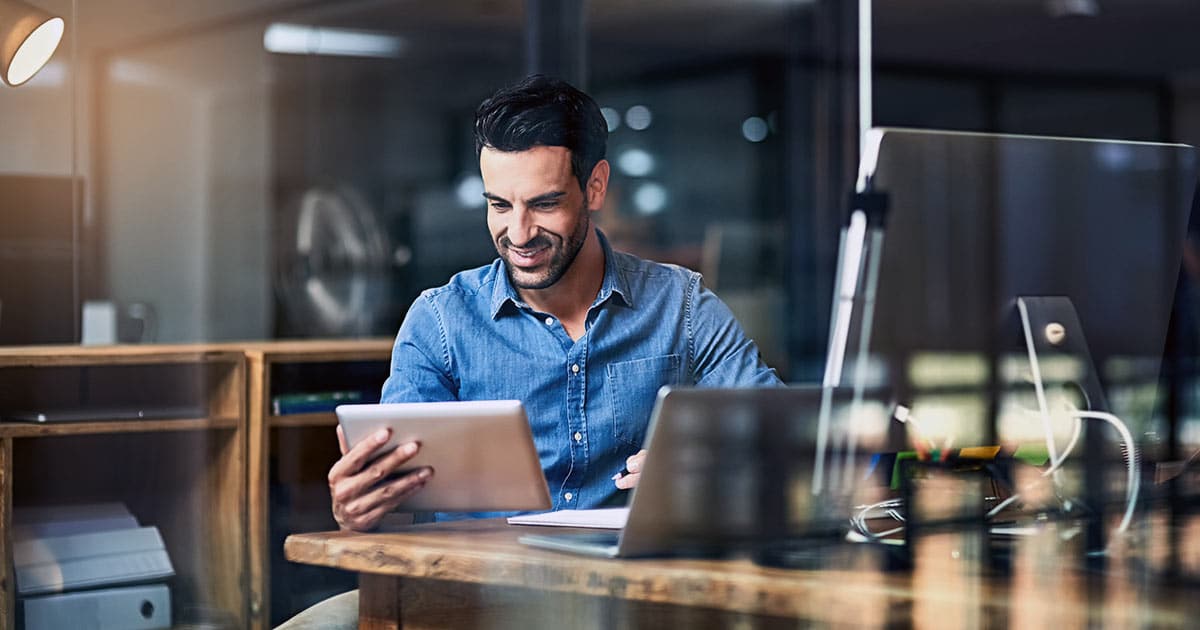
(28, 36)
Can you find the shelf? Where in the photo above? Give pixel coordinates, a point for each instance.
(81, 356)
(320, 351)
(205, 480)
(322, 419)
(182, 468)
(24, 430)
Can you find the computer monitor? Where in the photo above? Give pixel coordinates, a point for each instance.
(974, 221)
(962, 252)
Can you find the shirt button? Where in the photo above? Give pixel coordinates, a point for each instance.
(578, 436)
(549, 321)
(568, 496)
(575, 369)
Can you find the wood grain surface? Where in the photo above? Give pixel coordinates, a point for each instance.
(43, 356)
(486, 554)
(7, 584)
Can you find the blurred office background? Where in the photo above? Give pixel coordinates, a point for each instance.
(213, 170)
(273, 168)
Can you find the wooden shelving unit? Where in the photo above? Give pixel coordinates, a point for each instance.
(184, 474)
(206, 478)
(291, 455)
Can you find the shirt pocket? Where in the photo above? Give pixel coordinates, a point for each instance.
(633, 387)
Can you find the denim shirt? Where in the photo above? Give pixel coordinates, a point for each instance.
(588, 400)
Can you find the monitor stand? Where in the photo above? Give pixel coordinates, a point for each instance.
(1053, 333)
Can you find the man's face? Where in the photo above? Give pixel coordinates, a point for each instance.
(537, 214)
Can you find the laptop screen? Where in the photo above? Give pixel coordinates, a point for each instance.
(728, 468)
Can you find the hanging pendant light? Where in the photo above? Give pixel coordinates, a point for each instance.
(28, 37)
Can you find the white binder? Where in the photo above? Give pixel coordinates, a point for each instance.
(127, 608)
(63, 563)
(63, 520)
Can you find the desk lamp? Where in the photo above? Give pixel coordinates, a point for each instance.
(28, 37)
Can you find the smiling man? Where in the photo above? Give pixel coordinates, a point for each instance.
(583, 335)
(539, 217)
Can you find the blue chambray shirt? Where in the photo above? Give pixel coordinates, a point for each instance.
(588, 400)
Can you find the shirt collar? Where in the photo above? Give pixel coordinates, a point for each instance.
(614, 283)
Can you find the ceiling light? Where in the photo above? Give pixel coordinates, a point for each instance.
(635, 162)
(469, 191)
(638, 117)
(28, 37)
(1072, 8)
(650, 198)
(299, 39)
(755, 129)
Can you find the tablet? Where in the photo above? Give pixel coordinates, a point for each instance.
(482, 452)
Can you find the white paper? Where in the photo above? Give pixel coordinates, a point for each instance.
(605, 518)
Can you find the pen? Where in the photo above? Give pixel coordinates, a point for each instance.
(624, 471)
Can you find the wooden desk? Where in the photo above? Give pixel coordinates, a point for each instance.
(476, 574)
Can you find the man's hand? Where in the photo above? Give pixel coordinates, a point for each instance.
(360, 500)
(634, 465)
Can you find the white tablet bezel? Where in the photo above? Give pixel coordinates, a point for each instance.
(482, 452)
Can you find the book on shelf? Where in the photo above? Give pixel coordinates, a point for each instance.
(317, 402)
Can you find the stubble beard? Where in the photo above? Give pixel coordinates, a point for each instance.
(562, 259)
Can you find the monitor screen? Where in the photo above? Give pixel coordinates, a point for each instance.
(974, 221)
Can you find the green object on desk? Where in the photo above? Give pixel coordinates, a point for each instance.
(902, 455)
(1032, 454)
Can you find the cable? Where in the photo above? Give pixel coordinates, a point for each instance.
(1038, 388)
(1076, 432)
(859, 521)
(904, 415)
(1134, 484)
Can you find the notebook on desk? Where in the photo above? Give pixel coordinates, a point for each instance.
(726, 470)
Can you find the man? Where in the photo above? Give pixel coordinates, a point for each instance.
(583, 335)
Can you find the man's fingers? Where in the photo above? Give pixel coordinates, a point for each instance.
(634, 462)
(392, 460)
(342, 440)
(628, 482)
(366, 511)
(362, 513)
(354, 459)
(374, 474)
(352, 487)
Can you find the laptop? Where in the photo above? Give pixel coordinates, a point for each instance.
(733, 469)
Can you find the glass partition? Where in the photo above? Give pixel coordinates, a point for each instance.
(235, 178)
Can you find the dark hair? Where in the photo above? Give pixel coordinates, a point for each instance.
(544, 111)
